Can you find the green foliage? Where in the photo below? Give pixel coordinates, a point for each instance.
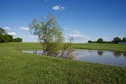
(100, 40)
(89, 41)
(124, 39)
(10, 38)
(17, 40)
(67, 49)
(2, 31)
(49, 34)
(116, 40)
(4, 37)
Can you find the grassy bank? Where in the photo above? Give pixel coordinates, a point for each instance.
(17, 67)
(96, 46)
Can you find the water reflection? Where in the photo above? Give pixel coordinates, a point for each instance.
(97, 56)
(124, 54)
(102, 56)
(100, 52)
(89, 51)
(117, 54)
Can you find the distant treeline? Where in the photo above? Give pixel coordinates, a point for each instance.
(4, 37)
(115, 40)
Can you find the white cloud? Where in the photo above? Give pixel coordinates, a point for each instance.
(58, 7)
(12, 33)
(24, 28)
(77, 36)
(6, 28)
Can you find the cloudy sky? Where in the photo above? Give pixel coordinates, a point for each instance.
(82, 19)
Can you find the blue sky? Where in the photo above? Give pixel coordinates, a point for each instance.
(82, 19)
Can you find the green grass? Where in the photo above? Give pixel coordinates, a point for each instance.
(17, 67)
(24, 45)
(96, 46)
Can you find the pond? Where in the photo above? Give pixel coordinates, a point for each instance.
(96, 56)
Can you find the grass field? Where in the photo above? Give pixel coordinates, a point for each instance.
(96, 46)
(17, 67)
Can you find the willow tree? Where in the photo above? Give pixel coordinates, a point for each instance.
(49, 35)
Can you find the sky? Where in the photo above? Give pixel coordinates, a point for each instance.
(81, 19)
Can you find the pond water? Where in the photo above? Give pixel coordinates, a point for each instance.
(96, 56)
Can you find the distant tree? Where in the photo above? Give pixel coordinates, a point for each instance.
(100, 40)
(124, 39)
(17, 40)
(20, 39)
(14, 40)
(1, 39)
(2, 31)
(107, 42)
(116, 40)
(89, 41)
(3, 35)
(10, 38)
(6, 38)
(92, 41)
